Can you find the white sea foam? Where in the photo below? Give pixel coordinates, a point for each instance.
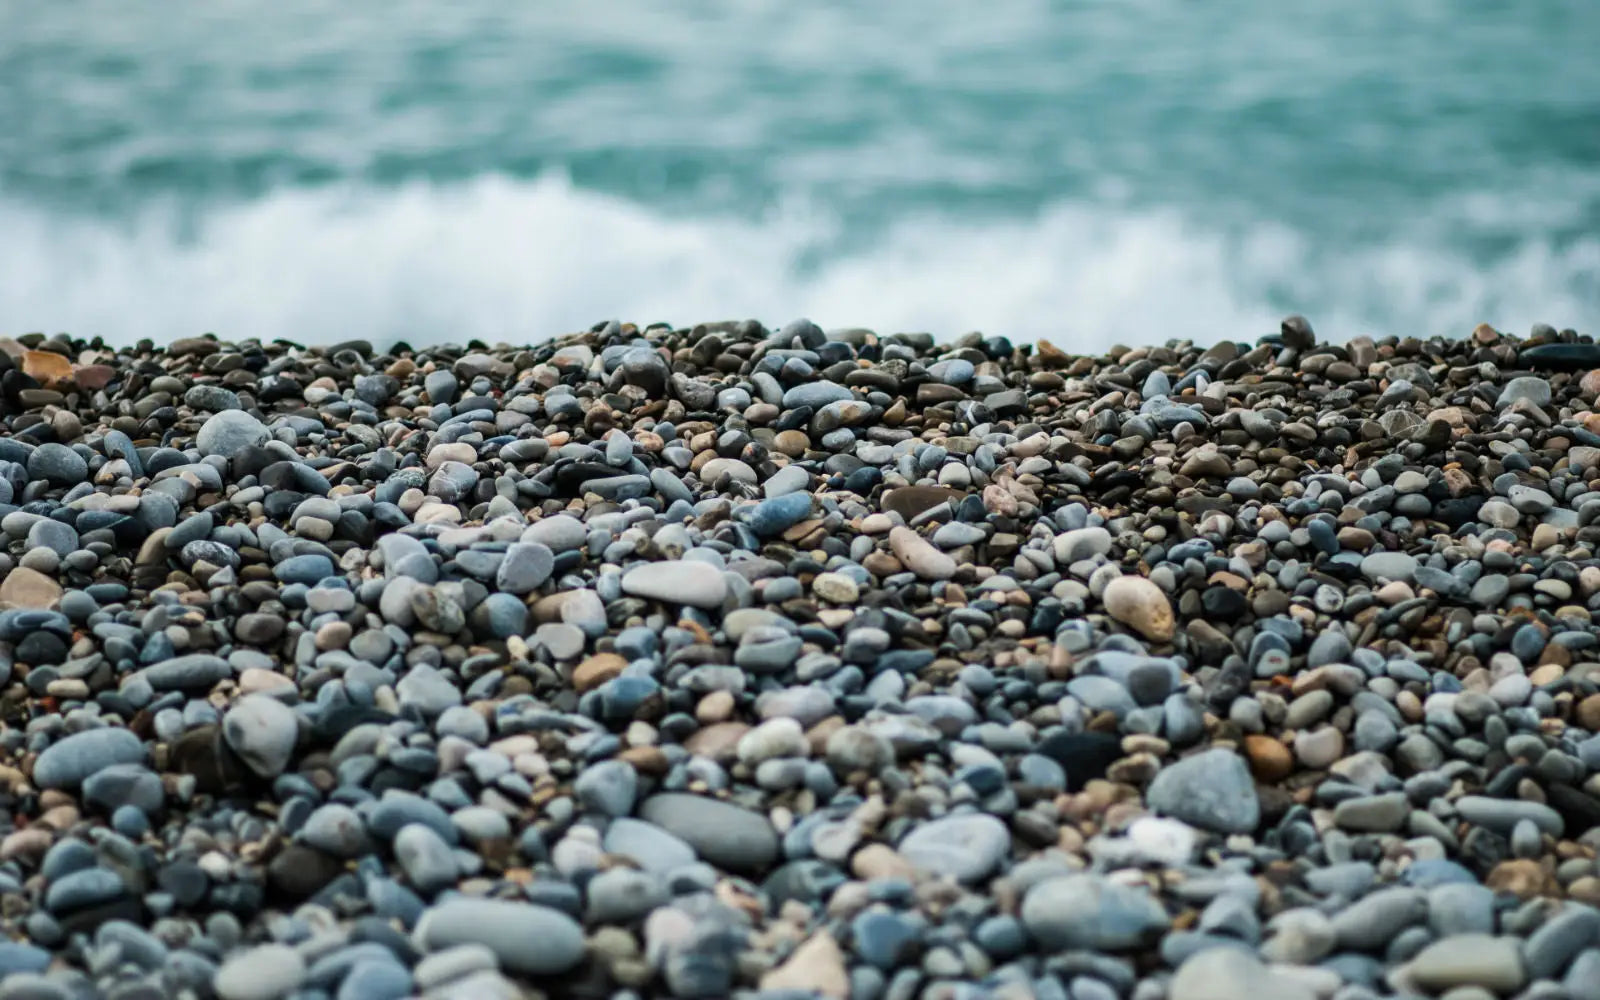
(500, 259)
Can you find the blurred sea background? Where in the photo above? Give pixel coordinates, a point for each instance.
(1090, 172)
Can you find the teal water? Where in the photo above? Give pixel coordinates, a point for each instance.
(1091, 172)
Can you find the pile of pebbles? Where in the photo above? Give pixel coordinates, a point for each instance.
(732, 662)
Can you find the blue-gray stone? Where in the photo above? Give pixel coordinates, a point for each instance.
(441, 387)
(722, 833)
(1091, 912)
(1212, 790)
(189, 672)
(452, 481)
(67, 762)
(1529, 388)
(1323, 535)
(779, 514)
(138, 945)
(1460, 908)
(1001, 936)
(620, 895)
(884, 939)
(670, 485)
(374, 979)
(426, 859)
(1582, 981)
(789, 479)
(57, 465)
(20, 957)
(955, 371)
(1039, 771)
(1330, 646)
(65, 857)
(191, 529)
(229, 432)
(84, 888)
(1501, 815)
(815, 395)
(653, 848)
(117, 785)
(504, 615)
(1527, 642)
(621, 697)
(211, 397)
(608, 787)
(310, 569)
(1550, 949)
(1430, 872)
(130, 821)
(525, 937)
(116, 444)
(967, 847)
(527, 565)
(60, 538)
(397, 809)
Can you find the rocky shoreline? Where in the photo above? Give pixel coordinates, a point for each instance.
(736, 661)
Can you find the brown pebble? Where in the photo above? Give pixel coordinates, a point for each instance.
(596, 670)
(646, 760)
(1585, 890)
(1521, 877)
(1136, 602)
(1587, 714)
(717, 706)
(26, 588)
(816, 967)
(909, 501)
(334, 635)
(1270, 760)
(48, 367)
(879, 861)
(717, 742)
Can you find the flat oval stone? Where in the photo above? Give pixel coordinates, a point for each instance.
(65, 763)
(525, 937)
(266, 972)
(1492, 963)
(683, 581)
(968, 847)
(722, 833)
(1091, 912)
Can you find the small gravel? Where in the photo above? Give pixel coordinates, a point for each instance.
(740, 661)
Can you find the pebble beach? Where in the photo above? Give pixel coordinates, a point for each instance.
(772, 661)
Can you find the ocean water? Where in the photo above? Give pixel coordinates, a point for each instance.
(1090, 172)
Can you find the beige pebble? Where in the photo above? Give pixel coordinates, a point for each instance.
(1319, 748)
(715, 707)
(1136, 602)
(919, 556)
(836, 587)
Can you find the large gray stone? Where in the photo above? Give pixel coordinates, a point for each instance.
(262, 730)
(1212, 790)
(1091, 912)
(967, 847)
(525, 937)
(266, 972)
(230, 432)
(722, 833)
(1492, 963)
(194, 671)
(1232, 974)
(683, 581)
(65, 763)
